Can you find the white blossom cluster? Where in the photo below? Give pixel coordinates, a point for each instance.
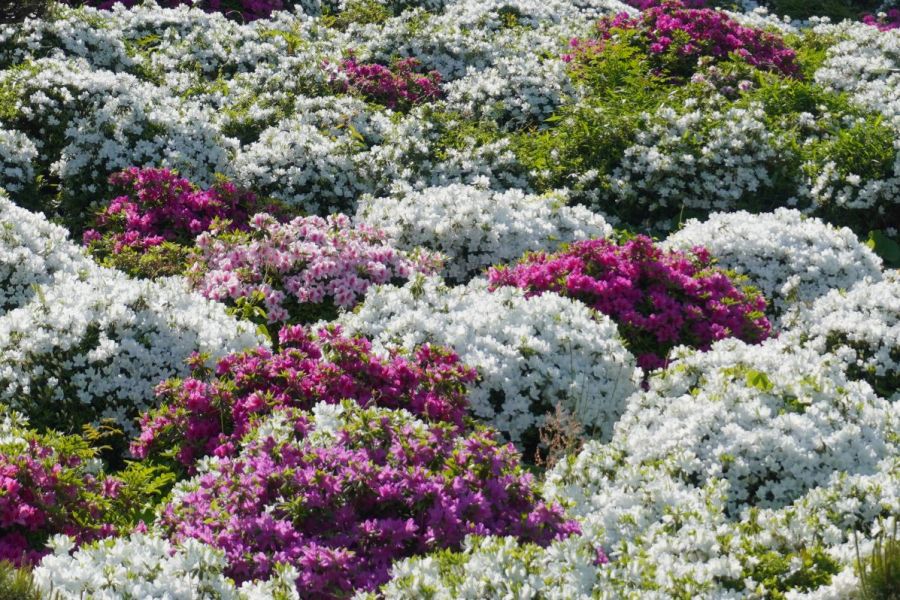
(860, 326)
(707, 159)
(145, 565)
(531, 354)
(90, 339)
(665, 538)
(17, 153)
(33, 253)
(789, 257)
(772, 420)
(89, 123)
(476, 228)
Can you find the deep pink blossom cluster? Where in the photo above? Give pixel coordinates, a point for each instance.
(890, 20)
(245, 10)
(342, 511)
(676, 37)
(398, 86)
(658, 299)
(44, 492)
(645, 4)
(205, 415)
(158, 206)
(308, 261)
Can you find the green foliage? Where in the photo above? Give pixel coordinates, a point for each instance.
(887, 247)
(359, 12)
(879, 573)
(17, 584)
(164, 260)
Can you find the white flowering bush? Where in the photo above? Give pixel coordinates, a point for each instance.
(476, 228)
(145, 565)
(703, 159)
(90, 123)
(79, 343)
(773, 421)
(861, 327)
(789, 257)
(17, 153)
(530, 354)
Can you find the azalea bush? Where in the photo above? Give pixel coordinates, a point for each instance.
(397, 86)
(342, 491)
(302, 270)
(676, 37)
(211, 411)
(158, 216)
(659, 299)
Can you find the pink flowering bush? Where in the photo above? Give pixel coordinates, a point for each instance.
(158, 210)
(398, 86)
(299, 271)
(340, 494)
(886, 22)
(51, 484)
(658, 299)
(205, 415)
(676, 37)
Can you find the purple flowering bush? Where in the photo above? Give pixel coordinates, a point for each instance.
(675, 38)
(53, 484)
(658, 299)
(887, 21)
(210, 413)
(399, 86)
(343, 491)
(160, 214)
(299, 271)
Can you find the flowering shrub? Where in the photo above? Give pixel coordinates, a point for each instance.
(396, 86)
(531, 354)
(789, 257)
(342, 491)
(245, 10)
(658, 299)
(302, 270)
(476, 228)
(161, 212)
(861, 326)
(677, 36)
(159, 206)
(203, 415)
(886, 21)
(772, 420)
(146, 565)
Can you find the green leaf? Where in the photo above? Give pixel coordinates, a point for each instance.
(885, 247)
(759, 380)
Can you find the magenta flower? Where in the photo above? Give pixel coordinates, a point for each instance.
(205, 415)
(658, 299)
(398, 86)
(342, 511)
(677, 34)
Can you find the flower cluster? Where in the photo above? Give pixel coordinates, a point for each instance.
(342, 491)
(202, 415)
(885, 21)
(245, 10)
(677, 37)
(396, 86)
(50, 485)
(146, 565)
(790, 258)
(659, 299)
(157, 206)
(303, 269)
(531, 354)
(476, 228)
(861, 326)
(80, 343)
